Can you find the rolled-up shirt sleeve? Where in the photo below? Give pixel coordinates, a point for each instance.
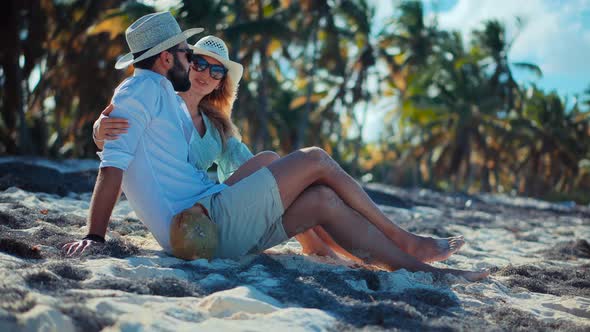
(135, 100)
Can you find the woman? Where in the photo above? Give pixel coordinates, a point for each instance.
(305, 194)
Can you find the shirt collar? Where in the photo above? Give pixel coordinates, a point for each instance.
(152, 75)
(147, 72)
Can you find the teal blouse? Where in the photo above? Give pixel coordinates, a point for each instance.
(209, 149)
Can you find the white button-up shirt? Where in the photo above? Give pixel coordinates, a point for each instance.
(158, 179)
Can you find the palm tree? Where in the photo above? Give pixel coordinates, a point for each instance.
(495, 46)
(456, 99)
(18, 17)
(557, 141)
(54, 42)
(361, 68)
(451, 105)
(408, 43)
(93, 31)
(262, 33)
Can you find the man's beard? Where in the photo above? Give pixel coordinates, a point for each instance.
(179, 78)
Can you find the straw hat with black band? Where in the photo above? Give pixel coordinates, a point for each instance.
(152, 34)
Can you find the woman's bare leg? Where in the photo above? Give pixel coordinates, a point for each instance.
(310, 242)
(329, 241)
(320, 205)
(303, 168)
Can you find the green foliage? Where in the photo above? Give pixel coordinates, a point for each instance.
(490, 133)
(460, 121)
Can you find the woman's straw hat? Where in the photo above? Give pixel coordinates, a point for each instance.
(215, 48)
(152, 34)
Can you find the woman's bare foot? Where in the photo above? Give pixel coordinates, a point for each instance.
(311, 244)
(428, 249)
(321, 251)
(469, 275)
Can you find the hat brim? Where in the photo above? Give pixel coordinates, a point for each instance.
(234, 69)
(128, 58)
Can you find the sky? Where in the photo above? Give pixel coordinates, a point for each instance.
(556, 37)
(556, 34)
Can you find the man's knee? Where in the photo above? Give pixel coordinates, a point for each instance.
(315, 153)
(318, 201)
(270, 155)
(319, 158)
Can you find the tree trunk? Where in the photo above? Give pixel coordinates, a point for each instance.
(485, 179)
(9, 62)
(235, 44)
(532, 185)
(235, 39)
(358, 142)
(262, 137)
(24, 142)
(304, 117)
(497, 180)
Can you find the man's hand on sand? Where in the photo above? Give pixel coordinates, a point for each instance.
(77, 247)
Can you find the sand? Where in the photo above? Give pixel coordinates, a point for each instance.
(538, 252)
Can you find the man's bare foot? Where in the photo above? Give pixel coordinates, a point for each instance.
(428, 249)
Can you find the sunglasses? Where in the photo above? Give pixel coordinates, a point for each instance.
(216, 72)
(189, 53)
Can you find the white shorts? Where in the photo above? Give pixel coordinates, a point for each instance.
(248, 214)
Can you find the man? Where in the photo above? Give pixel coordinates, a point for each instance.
(150, 161)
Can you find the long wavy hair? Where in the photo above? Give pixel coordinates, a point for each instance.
(218, 107)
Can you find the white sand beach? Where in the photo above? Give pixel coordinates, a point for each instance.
(538, 252)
